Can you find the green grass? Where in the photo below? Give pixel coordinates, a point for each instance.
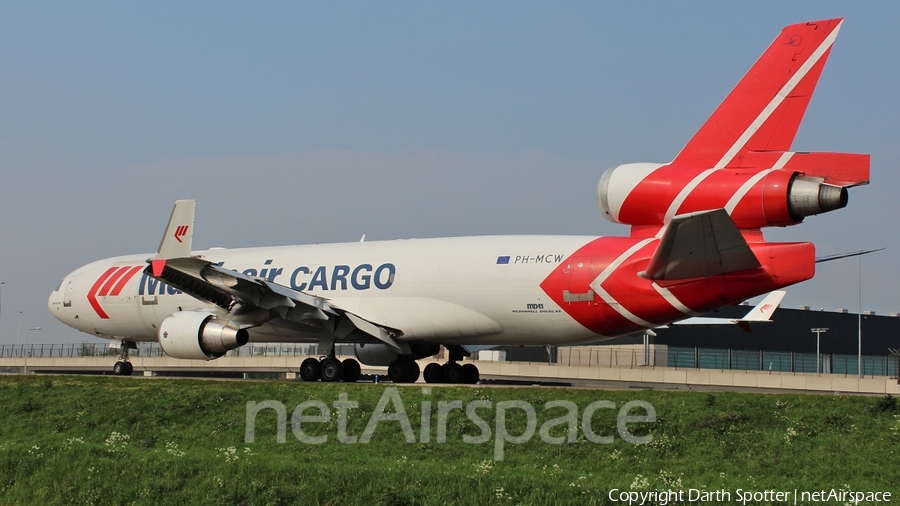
(92, 440)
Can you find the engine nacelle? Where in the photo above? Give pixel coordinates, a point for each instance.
(641, 194)
(377, 354)
(199, 336)
(807, 197)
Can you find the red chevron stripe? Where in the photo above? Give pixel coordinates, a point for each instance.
(124, 279)
(180, 232)
(111, 281)
(92, 293)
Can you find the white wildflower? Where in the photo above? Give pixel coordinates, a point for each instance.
(484, 468)
(116, 441)
(791, 432)
(172, 449)
(230, 454)
(640, 483)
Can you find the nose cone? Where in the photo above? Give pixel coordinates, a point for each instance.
(56, 303)
(95, 299)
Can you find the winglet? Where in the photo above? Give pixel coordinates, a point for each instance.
(766, 308)
(762, 312)
(176, 242)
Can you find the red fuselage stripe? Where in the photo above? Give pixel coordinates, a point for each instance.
(124, 279)
(111, 281)
(92, 293)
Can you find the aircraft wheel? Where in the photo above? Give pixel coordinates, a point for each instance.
(470, 374)
(310, 369)
(433, 373)
(129, 368)
(398, 370)
(351, 370)
(332, 370)
(453, 372)
(414, 372)
(119, 368)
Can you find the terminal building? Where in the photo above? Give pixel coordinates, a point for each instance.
(787, 343)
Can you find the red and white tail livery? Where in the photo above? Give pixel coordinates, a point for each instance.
(695, 245)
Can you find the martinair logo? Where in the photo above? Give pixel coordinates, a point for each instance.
(110, 283)
(180, 232)
(764, 308)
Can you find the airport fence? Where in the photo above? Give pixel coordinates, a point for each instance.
(74, 350)
(611, 356)
(595, 356)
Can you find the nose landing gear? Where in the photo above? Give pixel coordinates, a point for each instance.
(123, 366)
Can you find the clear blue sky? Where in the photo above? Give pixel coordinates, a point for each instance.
(316, 122)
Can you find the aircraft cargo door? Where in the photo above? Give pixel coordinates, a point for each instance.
(581, 272)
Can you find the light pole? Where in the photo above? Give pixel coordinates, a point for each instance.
(1, 298)
(859, 285)
(27, 335)
(858, 254)
(818, 331)
(19, 331)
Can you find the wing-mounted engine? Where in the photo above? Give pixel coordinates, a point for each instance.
(377, 354)
(199, 336)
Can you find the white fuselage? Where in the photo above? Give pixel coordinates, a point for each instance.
(466, 290)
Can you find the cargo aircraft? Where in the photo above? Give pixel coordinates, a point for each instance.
(695, 244)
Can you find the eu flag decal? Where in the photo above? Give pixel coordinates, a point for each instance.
(502, 260)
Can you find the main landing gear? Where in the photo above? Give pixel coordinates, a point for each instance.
(452, 372)
(123, 366)
(330, 369)
(403, 370)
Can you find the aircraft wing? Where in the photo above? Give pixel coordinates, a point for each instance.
(252, 300)
(762, 312)
(226, 288)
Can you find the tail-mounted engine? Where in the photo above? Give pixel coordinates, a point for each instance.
(794, 186)
(199, 336)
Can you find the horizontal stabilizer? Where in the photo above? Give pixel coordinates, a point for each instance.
(828, 258)
(838, 169)
(705, 243)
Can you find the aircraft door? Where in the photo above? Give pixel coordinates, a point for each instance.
(581, 272)
(66, 290)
